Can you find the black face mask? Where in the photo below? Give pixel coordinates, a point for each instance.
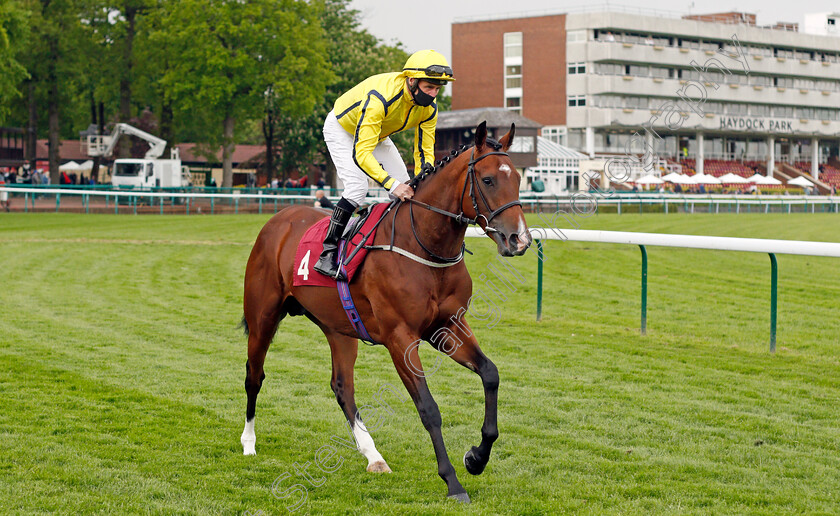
(420, 97)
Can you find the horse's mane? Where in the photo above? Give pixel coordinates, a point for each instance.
(428, 170)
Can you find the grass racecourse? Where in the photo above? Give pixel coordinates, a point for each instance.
(122, 369)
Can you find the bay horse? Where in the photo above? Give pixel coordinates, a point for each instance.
(400, 299)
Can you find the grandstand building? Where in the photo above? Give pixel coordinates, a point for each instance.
(712, 93)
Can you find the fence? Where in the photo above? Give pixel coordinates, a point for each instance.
(106, 199)
(755, 245)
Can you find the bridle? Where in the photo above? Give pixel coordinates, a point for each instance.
(460, 218)
(474, 187)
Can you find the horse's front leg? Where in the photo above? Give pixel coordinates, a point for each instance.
(459, 342)
(403, 351)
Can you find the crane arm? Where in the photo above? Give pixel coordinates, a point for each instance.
(156, 145)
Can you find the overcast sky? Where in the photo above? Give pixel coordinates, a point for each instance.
(420, 24)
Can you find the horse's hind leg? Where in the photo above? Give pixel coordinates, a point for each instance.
(344, 350)
(261, 320)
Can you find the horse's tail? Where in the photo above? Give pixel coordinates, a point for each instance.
(244, 325)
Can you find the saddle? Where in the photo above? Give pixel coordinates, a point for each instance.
(355, 251)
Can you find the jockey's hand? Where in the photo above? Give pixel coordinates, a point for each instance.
(403, 192)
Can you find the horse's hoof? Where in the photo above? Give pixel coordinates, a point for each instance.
(461, 497)
(249, 448)
(471, 462)
(379, 467)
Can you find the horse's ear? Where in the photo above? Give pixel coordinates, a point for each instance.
(507, 139)
(480, 135)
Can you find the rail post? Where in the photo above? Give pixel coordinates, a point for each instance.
(644, 289)
(774, 277)
(539, 279)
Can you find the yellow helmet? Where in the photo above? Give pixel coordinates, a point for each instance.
(429, 65)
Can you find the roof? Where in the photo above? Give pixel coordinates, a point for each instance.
(241, 153)
(67, 150)
(495, 117)
(548, 149)
(77, 151)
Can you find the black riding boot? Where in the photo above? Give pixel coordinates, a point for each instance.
(327, 264)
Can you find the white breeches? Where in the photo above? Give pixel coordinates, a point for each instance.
(340, 144)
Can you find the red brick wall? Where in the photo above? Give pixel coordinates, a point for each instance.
(478, 61)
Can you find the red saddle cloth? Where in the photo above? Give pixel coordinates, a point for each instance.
(312, 243)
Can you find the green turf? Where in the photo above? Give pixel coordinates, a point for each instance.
(121, 379)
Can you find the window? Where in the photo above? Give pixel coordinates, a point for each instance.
(783, 111)
(128, 169)
(784, 52)
(514, 104)
(513, 44)
(522, 144)
(577, 100)
(660, 72)
(736, 78)
(713, 107)
(556, 133)
(711, 46)
(513, 86)
(760, 110)
(784, 82)
(760, 80)
(577, 68)
(576, 35)
(735, 109)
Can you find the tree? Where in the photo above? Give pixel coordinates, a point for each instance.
(14, 35)
(227, 54)
(52, 64)
(113, 27)
(354, 55)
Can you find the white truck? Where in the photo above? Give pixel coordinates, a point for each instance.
(148, 172)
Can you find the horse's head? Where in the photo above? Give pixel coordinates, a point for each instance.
(493, 193)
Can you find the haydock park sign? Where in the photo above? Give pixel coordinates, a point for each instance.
(755, 124)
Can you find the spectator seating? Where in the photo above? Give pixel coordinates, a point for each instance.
(719, 167)
(828, 174)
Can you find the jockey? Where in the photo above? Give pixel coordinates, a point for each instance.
(357, 134)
